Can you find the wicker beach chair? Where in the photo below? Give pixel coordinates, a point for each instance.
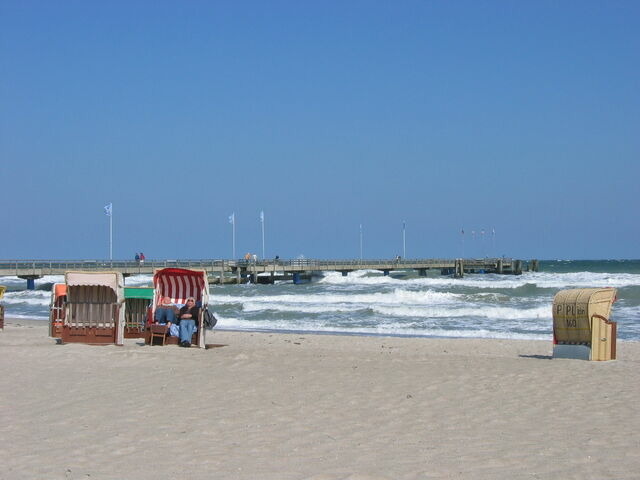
(581, 325)
(137, 301)
(94, 311)
(57, 309)
(2, 290)
(179, 284)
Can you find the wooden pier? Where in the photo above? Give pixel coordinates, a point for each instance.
(267, 271)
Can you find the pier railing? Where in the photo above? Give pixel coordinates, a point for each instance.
(39, 268)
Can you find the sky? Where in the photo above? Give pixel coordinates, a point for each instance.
(342, 121)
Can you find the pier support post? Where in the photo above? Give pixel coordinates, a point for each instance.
(517, 267)
(459, 268)
(238, 276)
(296, 278)
(499, 267)
(345, 273)
(422, 272)
(385, 273)
(31, 280)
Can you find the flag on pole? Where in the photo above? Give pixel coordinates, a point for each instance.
(262, 216)
(232, 218)
(493, 231)
(462, 231)
(107, 209)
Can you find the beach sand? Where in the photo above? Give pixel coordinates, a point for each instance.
(321, 407)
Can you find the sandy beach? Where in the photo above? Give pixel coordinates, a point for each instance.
(321, 407)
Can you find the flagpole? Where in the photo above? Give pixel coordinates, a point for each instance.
(108, 211)
(404, 240)
(493, 241)
(232, 221)
(262, 221)
(111, 234)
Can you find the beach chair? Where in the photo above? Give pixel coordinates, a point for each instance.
(57, 309)
(2, 290)
(138, 301)
(179, 284)
(581, 325)
(94, 311)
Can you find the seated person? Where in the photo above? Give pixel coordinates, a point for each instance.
(165, 312)
(188, 316)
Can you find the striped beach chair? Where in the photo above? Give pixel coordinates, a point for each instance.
(179, 284)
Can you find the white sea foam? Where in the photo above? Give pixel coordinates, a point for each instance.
(28, 297)
(397, 296)
(139, 280)
(493, 281)
(390, 329)
(479, 311)
(260, 307)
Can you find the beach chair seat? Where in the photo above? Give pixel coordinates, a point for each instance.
(158, 331)
(581, 325)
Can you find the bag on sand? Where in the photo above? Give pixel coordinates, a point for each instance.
(209, 319)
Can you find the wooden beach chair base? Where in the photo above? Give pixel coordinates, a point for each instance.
(158, 331)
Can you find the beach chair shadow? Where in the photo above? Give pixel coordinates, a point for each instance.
(539, 357)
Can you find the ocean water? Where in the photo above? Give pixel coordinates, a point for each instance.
(366, 302)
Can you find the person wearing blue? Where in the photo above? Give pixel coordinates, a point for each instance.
(165, 312)
(187, 317)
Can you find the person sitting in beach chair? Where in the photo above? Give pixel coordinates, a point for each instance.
(166, 312)
(187, 318)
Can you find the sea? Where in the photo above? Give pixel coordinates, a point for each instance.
(401, 304)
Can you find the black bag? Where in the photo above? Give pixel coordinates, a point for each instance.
(209, 319)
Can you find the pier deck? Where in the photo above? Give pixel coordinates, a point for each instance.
(220, 270)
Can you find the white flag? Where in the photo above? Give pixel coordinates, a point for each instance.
(232, 218)
(262, 216)
(107, 209)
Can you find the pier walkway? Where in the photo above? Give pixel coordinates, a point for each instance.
(265, 271)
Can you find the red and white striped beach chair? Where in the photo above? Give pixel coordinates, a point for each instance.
(179, 284)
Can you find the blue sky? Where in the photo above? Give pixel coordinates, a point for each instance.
(516, 116)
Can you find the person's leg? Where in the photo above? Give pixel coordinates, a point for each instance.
(170, 315)
(161, 315)
(187, 326)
